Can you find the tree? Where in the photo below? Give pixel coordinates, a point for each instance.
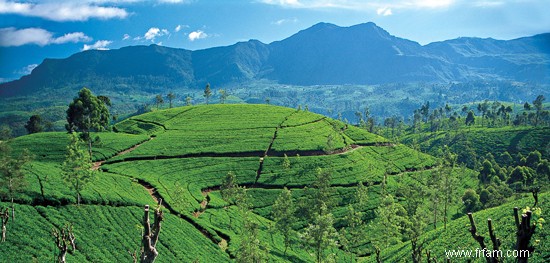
(449, 181)
(361, 197)
(64, 241)
(151, 234)
(229, 188)
(223, 96)
(286, 162)
(106, 100)
(207, 93)
(322, 192)
(77, 168)
(539, 107)
(159, 100)
(87, 113)
(321, 234)
(353, 232)
(283, 215)
(188, 101)
(329, 146)
(470, 119)
(171, 96)
(4, 218)
(470, 199)
(251, 249)
(34, 124)
(12, 178)
(389, 223)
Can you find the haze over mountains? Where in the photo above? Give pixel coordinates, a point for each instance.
(322, 54)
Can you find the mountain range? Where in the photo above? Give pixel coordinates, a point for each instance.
(322, 54)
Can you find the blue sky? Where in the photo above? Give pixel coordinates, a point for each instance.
(32, 30)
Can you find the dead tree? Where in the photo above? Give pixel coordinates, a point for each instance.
(150, 235)
(489, 256)
(525, 231)
(65, 241)
(4, 217)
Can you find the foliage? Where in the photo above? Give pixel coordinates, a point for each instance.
(283, 214)
(34, 124)
(320, 235)
(77, 168)
(87, 113)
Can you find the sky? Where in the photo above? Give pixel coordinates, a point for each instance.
(32, 30)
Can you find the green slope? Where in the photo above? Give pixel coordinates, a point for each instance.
(481, 141)
(182, 155)
(458, 237)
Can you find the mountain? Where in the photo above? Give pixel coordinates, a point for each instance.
(322, 54)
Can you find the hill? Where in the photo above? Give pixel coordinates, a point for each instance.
(457, 237)
(320, 55)
(182, 155)
(518, 141)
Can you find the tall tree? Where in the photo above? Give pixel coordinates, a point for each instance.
(77, 168)
(207, 93)
(283, 215)
(321, 234)
(539, 107)
(188, 101)
(87, 113)
(470, 119)
(251, 249)
(159, 100)
(5, 133)
(223, 96)
(12, 178)
(229, 188)
(171, 96)
(322, 192)
(4, 218)
(34, 124)
(353, 232)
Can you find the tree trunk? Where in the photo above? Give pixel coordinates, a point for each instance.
(12, 210)
(150, 235)
(4, 217)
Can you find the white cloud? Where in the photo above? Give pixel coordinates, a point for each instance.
(27, 69)
(284, 21)
(72, 37)
(384, 11)
(18, 37)
(178, 28)
(98, 45)
(125, 37)
(62, 11)
(197, 35)
(361, 5)
(153, 33)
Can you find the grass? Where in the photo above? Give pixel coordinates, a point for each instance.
(184, 154)
(457, 236)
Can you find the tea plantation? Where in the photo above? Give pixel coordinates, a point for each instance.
(182, 155)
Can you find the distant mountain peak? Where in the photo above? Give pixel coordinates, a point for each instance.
(324, 53)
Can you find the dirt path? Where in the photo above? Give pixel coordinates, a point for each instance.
(97, 165)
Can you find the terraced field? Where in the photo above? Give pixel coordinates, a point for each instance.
(182, 155)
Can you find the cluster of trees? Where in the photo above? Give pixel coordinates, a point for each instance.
(491, 114)
(171, 97)
(498, 182)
